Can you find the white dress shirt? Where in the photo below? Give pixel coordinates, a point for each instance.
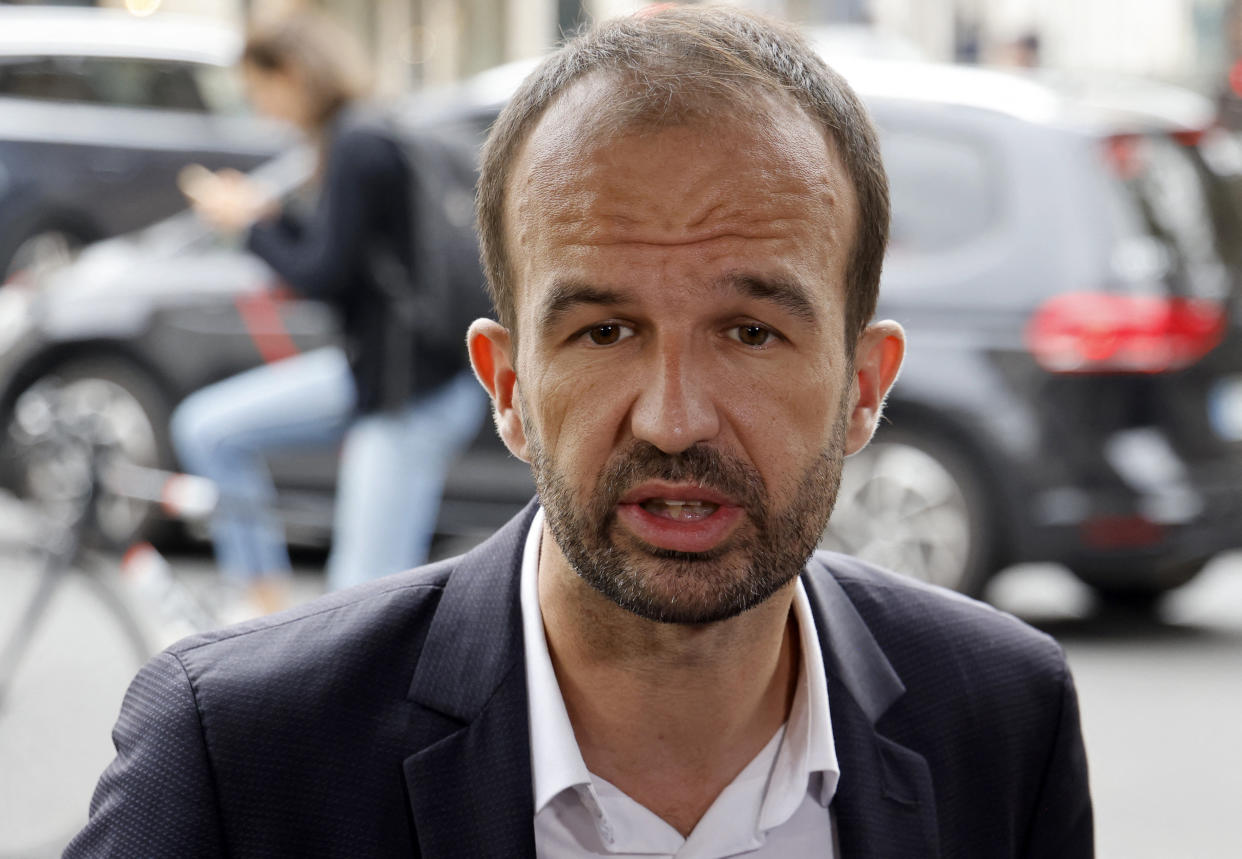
(778, 806)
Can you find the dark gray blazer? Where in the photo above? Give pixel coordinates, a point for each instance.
(391, 720)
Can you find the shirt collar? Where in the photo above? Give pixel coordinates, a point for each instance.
(556, 762)
(808, 748)
(557, 765)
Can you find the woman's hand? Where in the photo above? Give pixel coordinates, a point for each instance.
(227, 200)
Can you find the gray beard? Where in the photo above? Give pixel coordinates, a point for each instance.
(689, 587)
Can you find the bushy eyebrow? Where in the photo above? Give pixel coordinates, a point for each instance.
(564, 297)
(789, 294)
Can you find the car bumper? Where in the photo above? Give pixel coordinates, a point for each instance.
(1122, 532)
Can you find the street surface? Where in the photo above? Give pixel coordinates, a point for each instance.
(1161, 701)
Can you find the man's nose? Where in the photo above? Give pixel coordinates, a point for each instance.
(676, 407)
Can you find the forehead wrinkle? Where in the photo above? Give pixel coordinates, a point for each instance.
(597, 239)
(565, 179)
(575, 228)
(716, 204)
(608, 214)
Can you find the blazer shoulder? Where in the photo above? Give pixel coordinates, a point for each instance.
(345, 630)
(380, 626)
(906, 614)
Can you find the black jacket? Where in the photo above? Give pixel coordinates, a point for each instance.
(362, 215)
(391, 720)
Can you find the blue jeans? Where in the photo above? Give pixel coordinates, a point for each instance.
(390, 477)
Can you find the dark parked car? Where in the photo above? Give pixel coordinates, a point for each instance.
(99, 110)
(1062, 267)
(1069, 279)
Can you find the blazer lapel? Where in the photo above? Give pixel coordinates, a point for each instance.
(885, 802)
(469, 785)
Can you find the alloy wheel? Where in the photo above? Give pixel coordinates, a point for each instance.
(903, 508)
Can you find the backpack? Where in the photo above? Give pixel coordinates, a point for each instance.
(428, 305)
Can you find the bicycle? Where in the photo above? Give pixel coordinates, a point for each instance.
(64, 664)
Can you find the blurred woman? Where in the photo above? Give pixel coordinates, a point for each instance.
(395, 454)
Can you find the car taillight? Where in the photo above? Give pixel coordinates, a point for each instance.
(1125, 154)
(1102, 333)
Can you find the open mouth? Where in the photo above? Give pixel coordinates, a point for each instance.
(681, 517)
(679, 510)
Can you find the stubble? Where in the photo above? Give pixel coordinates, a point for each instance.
(766, 553)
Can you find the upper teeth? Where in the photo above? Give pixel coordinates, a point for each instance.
(679, 508)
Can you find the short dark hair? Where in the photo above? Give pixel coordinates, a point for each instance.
(671, 66)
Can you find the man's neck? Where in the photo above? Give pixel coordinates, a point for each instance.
(668, 713)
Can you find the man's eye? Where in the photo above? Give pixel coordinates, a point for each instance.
(606, 335)
(753, 335)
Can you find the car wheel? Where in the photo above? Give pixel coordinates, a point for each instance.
(134, 413)
(1138, 586)
(912, 504)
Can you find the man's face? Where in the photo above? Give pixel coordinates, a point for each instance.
(683, 388)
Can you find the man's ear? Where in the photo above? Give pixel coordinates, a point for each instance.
(490, 343)
(877, 360)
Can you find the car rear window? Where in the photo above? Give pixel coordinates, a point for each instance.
(944, 190)
(1166, 236)
(119, 81)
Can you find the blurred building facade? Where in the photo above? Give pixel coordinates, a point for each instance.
(1181, 40)
(420, 42)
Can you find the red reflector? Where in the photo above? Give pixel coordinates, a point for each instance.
(1235, 78)
(1190, 137)
(260, 315)
(1119, 532)
(1123, 152)
(1101, 333)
